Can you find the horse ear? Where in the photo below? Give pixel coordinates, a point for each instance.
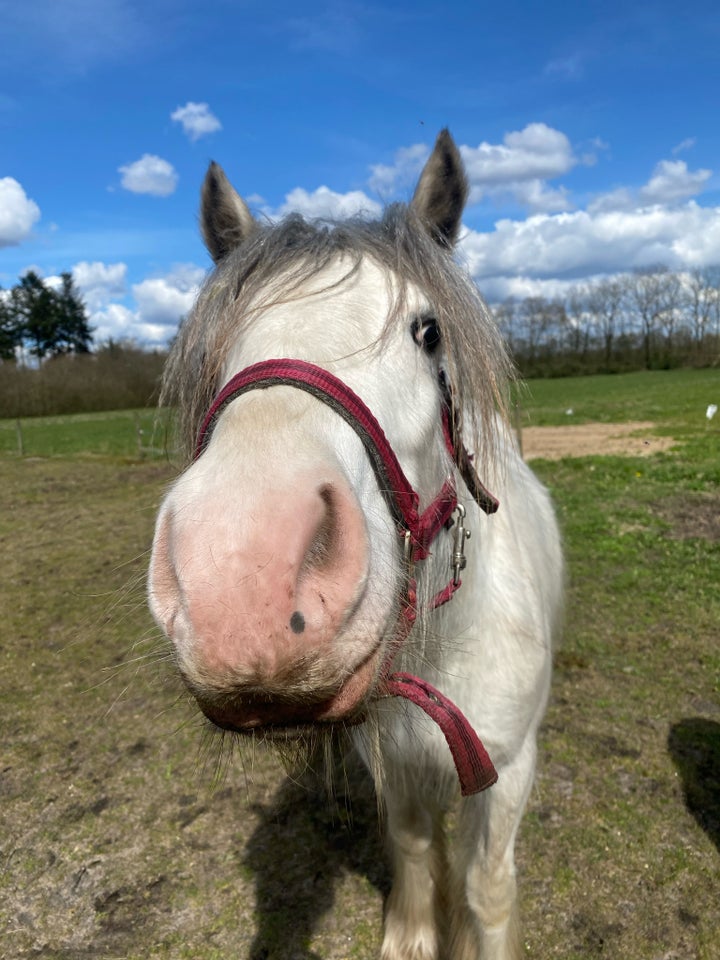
(442, 190)
(225, 220)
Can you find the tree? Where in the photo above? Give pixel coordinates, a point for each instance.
(533, 324)
(671, 311)
(505, 314)
(579, 325)
(49, 322)
(701, 301)
(605, 301)
(34, 309)
(10, 337)
(653, 293)
(73, 334)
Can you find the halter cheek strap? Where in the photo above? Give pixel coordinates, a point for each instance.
(416, 530)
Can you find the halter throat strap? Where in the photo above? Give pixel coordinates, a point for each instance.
(417, 530)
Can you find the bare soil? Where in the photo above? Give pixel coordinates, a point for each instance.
(692, 517)
(592, 439)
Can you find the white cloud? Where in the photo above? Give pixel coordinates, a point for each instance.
(162, 301)
(100, 283)
(497, 289)
(18, 213)
(538, 197)
(326, 204)
(619, 199)
(149, 174)
(672, 181)
(197, 120)
(518, 167)
(118, 322)
(148, 314)
(536, 152)
(409, 161)
(114, 322)
(687, 144)
(585, 242)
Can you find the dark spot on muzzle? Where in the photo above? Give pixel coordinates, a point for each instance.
(297, 622)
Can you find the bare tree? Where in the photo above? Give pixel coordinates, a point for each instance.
(578, 321)
(542, 323)
(651, 291)
(702, 287)
(605, 299)
(506, 317)
(713, 275)
(672, 296)
(532, 317)
(633, 317)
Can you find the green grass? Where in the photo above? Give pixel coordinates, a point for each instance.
(122, 433)
(115, 844)
(673, 398)
(634, 720)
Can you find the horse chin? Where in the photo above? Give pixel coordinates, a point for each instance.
(292, 732)
(275, 719)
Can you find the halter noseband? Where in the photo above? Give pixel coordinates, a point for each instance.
(416, 530)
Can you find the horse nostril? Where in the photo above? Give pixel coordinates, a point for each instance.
(321, 550)
(297, 622)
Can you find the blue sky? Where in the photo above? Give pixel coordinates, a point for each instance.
(590, 133)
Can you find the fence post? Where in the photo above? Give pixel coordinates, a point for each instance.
(18, 431)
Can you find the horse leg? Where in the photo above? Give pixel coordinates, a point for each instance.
(485, 923)
(415, 909)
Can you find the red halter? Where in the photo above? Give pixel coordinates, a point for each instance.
(416, 530)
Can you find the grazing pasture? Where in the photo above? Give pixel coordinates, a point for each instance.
(134, 434)
(126, 833)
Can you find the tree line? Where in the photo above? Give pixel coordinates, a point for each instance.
(651, 318)
(42, 321)
(49, 363)
(114, 376)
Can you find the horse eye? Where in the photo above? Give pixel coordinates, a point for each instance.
(426, 333)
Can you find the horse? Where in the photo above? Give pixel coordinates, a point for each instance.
(341, 396)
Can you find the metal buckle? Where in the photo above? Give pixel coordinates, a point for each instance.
(460, 535)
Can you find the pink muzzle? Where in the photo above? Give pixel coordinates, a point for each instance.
(416, 530)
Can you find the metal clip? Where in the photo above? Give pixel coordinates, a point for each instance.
(460, 535)
(407, 547)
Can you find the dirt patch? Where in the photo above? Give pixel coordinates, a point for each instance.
(695, 517)
(593, 439)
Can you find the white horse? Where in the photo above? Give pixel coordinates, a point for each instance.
(308, 564)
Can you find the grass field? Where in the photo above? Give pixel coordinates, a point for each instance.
(672, 399)
(629, 791)
(126, 434)
(113, 841)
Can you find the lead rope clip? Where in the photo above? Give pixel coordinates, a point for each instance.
(460, 535)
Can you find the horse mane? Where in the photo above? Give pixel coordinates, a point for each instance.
(274, 265)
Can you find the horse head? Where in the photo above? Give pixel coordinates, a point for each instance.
(277, 570)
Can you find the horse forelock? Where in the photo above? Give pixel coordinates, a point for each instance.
(276, 265)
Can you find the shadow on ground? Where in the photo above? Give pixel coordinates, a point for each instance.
(694, 744)
(302, 847)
